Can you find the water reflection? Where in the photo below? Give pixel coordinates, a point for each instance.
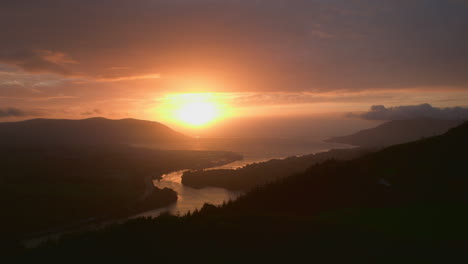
(189, 198)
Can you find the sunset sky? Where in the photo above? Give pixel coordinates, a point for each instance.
(293, 59)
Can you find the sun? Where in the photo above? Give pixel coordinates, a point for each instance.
(198, 113)
(193, 110)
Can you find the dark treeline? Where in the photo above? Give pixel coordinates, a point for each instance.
(48, 187)
(256, 174)
(404, 204)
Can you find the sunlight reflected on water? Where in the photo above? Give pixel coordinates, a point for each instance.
(189, 198)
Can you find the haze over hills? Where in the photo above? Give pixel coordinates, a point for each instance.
(397, 132)
(87, 131)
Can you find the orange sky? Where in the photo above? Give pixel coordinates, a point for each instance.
(78, 59)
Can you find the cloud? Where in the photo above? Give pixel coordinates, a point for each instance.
(128, 78)
(15, 112)
(321, 34)
(92, 112)
(49, 98)
(380, 112)
(295, 45)
(38, 61)
(291, 54)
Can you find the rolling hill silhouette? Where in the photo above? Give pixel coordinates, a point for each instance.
(86, 131)
(404, 204)
(397, 132)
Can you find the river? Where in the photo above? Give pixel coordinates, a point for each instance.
(190, 199)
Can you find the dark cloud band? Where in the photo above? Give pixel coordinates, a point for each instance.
(15, 112)
(380, 112)
(293, 45)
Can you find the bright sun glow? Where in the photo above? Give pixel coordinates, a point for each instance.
(197, 113)
(194, 109)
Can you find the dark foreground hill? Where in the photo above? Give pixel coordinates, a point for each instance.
(87, 131)
(397, 132)
(404, 204)
(46, 188)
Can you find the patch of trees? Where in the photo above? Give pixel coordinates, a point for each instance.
(260, 173)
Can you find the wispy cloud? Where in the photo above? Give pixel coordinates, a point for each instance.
(38, 61)
(15, 112)
(92, 112)
(127, 78)
(48, 98)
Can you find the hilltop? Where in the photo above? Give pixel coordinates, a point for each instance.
(87, 131)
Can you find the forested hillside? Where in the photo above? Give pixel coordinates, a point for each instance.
(404, 204)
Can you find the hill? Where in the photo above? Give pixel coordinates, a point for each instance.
(403, 204)
(256, 174)
(397, 132)
(46, 188)
(86, 131)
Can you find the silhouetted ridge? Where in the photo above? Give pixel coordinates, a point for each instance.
(460, 131)
(95, 130)
(404, 204)
(397, 132)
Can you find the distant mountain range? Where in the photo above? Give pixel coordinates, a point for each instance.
(87, 131)
(397, 132)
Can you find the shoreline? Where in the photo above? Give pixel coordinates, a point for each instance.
(260, 173)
